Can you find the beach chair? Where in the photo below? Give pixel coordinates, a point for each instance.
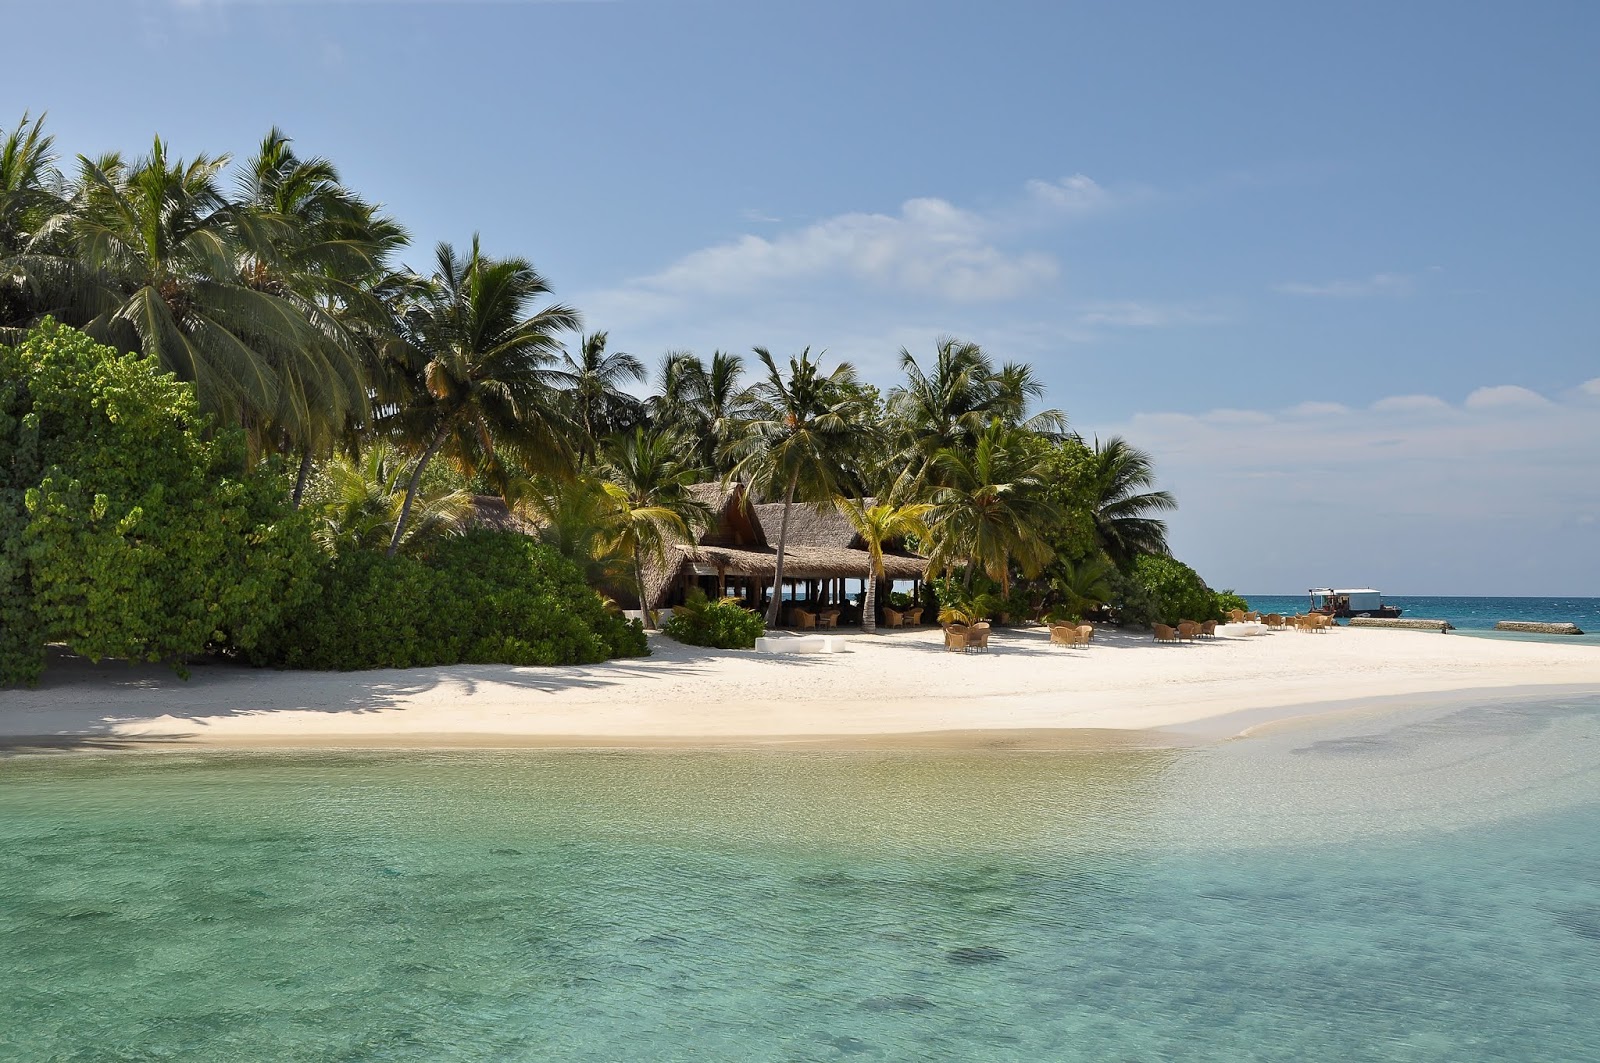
(978, 636)
(1063, 635)
(1163, 633)
(893, 617)
(1235, 616)
(1085, 633)
(914, 617)
(1274, 620)
(1208, 630)
(1188, 629)
(955, 638)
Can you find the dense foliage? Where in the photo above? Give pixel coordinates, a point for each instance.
(724, 624)
(1176, 592)
(481, 598)
(399, 397)
(139, 536)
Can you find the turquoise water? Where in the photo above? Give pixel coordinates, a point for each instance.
(1475, 616)
(1414, 886)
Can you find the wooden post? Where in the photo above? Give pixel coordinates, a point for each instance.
(722, 582)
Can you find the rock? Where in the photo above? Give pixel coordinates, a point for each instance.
(1404, 623)
(1538, 629)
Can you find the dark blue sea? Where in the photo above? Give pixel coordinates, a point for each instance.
(1473, 615)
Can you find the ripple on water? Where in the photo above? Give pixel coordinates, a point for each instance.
(1423, 886)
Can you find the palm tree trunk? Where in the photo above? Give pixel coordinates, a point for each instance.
(777, 574)
(638, 581)
(302, 476)
(411, 488)
(869, 604)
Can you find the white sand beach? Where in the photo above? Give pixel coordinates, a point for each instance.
(893, 688)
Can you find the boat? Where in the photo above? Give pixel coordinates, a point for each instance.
(1359, 601)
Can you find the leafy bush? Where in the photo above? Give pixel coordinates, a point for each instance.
(899, 600)
(127, 526)
(724, 624)
(1176, 592)
(1227, 601)
(480, 598)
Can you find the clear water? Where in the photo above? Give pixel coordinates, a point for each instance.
(1420, 886)
(1475, 616)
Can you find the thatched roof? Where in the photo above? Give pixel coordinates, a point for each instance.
(821, 544)
(490, 512)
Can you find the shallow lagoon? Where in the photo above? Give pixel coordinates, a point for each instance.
(1415, 885)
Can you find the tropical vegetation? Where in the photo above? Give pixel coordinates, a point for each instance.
(227, 397)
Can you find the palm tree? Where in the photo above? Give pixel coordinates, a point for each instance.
(797, 442)
(877, 524)
(991, 509)
(720, 403)
(359, 500)
(309, 240)
(146, 256)
(593, 382)
(31, 192)
(648, 488)
(1122, 505)
(951, 404)
(574, 518)
(480, 376)
(1086, 584)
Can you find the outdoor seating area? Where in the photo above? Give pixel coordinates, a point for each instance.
(1071, 635)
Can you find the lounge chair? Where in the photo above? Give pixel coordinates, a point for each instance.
(1188, 629)
(978, 636)
(1164, 633)
(955, 638)
(893, 617)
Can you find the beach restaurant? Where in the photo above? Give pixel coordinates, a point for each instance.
(824, 561)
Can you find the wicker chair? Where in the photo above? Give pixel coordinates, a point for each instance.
(978, 636)
(893, 617)
(803, 619)
(1208, 630)
(914, 617)
(955, 638)
(1188, 629)
(1163, 633)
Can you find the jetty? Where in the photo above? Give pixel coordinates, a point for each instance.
(1408, 623)
(1538, 628)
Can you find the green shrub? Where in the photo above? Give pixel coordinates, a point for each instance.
(1175, 591)
(128, 528)
(1227, 601)
(724, 624)
(480, 598)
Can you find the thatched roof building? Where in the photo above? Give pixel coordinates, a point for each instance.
(739, 550)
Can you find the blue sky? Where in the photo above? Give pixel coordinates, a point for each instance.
(1335, 267)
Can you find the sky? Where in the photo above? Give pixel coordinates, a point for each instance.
(1334, 266)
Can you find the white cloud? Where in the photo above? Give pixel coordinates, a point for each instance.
(1377, 284)
(929, 249)
(1467, 502)
(1319, 409)
(1505, 397)
(1132, 313)
(1411, 404)
(1591, 387)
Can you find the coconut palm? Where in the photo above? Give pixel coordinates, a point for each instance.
(797, 442)
(146, 256)
(990, 510)
(31, 192)
(1085, 585)
(951, 403)
(877, 524)
(648, 488)
(593, 383)
(358, 501)
(307, 239)
(481, 377)
(1122, 504)
(573, 517)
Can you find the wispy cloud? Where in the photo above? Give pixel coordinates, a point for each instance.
(1415, 493)
(1134, 313)
(1391, 284)
(929, 249)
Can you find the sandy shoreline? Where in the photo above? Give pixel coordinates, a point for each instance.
(898, 689)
